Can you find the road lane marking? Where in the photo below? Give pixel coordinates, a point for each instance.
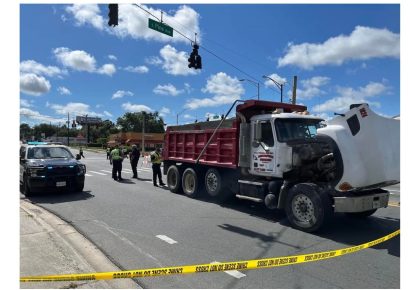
(106, 171)
(97, 172)
(166, 239)
(87, 174)
(233, 273)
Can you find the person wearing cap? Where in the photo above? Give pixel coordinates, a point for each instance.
(156, 160)
(134, 157)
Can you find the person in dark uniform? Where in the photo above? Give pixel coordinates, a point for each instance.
(108, 152)
(116, 157)
(156, 160)
(81, 152)
(134, 157)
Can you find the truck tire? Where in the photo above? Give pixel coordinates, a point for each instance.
(307, 208)
(363, 214)
(190, 183)
(215, 187)
(174, 179)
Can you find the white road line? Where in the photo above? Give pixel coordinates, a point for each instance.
(148, 181)
(127, 170)
(166, 239)
(97, 172)
(233, 273)
(105, 171)
(87, 174)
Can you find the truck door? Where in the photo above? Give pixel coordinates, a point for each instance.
(263, 161)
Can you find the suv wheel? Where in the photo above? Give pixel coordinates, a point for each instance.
(26, 189)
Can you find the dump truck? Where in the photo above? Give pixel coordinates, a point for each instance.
(278, 154)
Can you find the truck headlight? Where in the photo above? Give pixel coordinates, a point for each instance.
(35, 171)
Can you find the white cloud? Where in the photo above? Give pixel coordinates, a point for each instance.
(347, 96)
(64, 91)
(167, 90)
(224, 88)
(153, 60)
(35, 115)
(25, 103)
(107, 69)
(133, 22)
(137, 69)
(31, 66)
(74, 108)
(75, 59)
(176, 62)
(188, 116)
(112, 57)
(311, 88)
(188, 88)
(33, 84)
(108, 114)
(121, 94)
(87, 14)
(164, 111)
(135, 108)
(363, 43)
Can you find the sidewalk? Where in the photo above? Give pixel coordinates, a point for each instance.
(50, 246)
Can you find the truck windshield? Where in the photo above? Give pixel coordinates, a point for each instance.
(48, 153)
(292, 129)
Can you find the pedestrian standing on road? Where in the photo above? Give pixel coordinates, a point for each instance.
(156, 160)
(81, 152)
(116, 157)
(108, 152)
(134, 157)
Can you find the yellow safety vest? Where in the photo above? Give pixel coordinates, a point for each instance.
(157, 158)
(115, 154)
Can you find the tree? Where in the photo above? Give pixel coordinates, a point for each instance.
(25, 131)
(48, 129)
(132, 122)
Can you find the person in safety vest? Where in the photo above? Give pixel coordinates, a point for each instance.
(156, 160)
(116, 157)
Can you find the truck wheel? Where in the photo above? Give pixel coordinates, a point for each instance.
(363, 214)
(215, 187)
(307, 209)
(174, 179)
(190, 183)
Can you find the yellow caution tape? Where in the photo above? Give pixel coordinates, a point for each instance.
(214, 267)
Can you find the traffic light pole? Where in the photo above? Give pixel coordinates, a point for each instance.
(68, 129)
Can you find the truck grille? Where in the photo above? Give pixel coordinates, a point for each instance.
(61, 170)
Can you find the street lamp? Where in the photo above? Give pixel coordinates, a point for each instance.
(279, 85)
(255, 83)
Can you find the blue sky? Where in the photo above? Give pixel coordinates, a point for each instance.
(71, 61)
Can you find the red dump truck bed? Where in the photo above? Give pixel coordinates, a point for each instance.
(185, 143)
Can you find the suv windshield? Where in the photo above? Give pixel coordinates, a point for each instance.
(48, 153)
(292, 129)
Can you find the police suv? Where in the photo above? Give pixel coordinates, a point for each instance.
(47, 166)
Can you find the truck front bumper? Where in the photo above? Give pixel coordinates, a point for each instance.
(361, 203)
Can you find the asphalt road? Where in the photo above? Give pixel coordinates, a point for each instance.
(139, 226)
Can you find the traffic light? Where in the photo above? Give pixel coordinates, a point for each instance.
(194, 59)
(113, 14)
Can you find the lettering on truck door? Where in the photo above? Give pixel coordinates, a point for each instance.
(263, 160)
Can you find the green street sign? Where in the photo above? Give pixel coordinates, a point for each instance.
(160, 27)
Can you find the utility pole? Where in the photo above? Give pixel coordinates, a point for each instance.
(295, 80)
